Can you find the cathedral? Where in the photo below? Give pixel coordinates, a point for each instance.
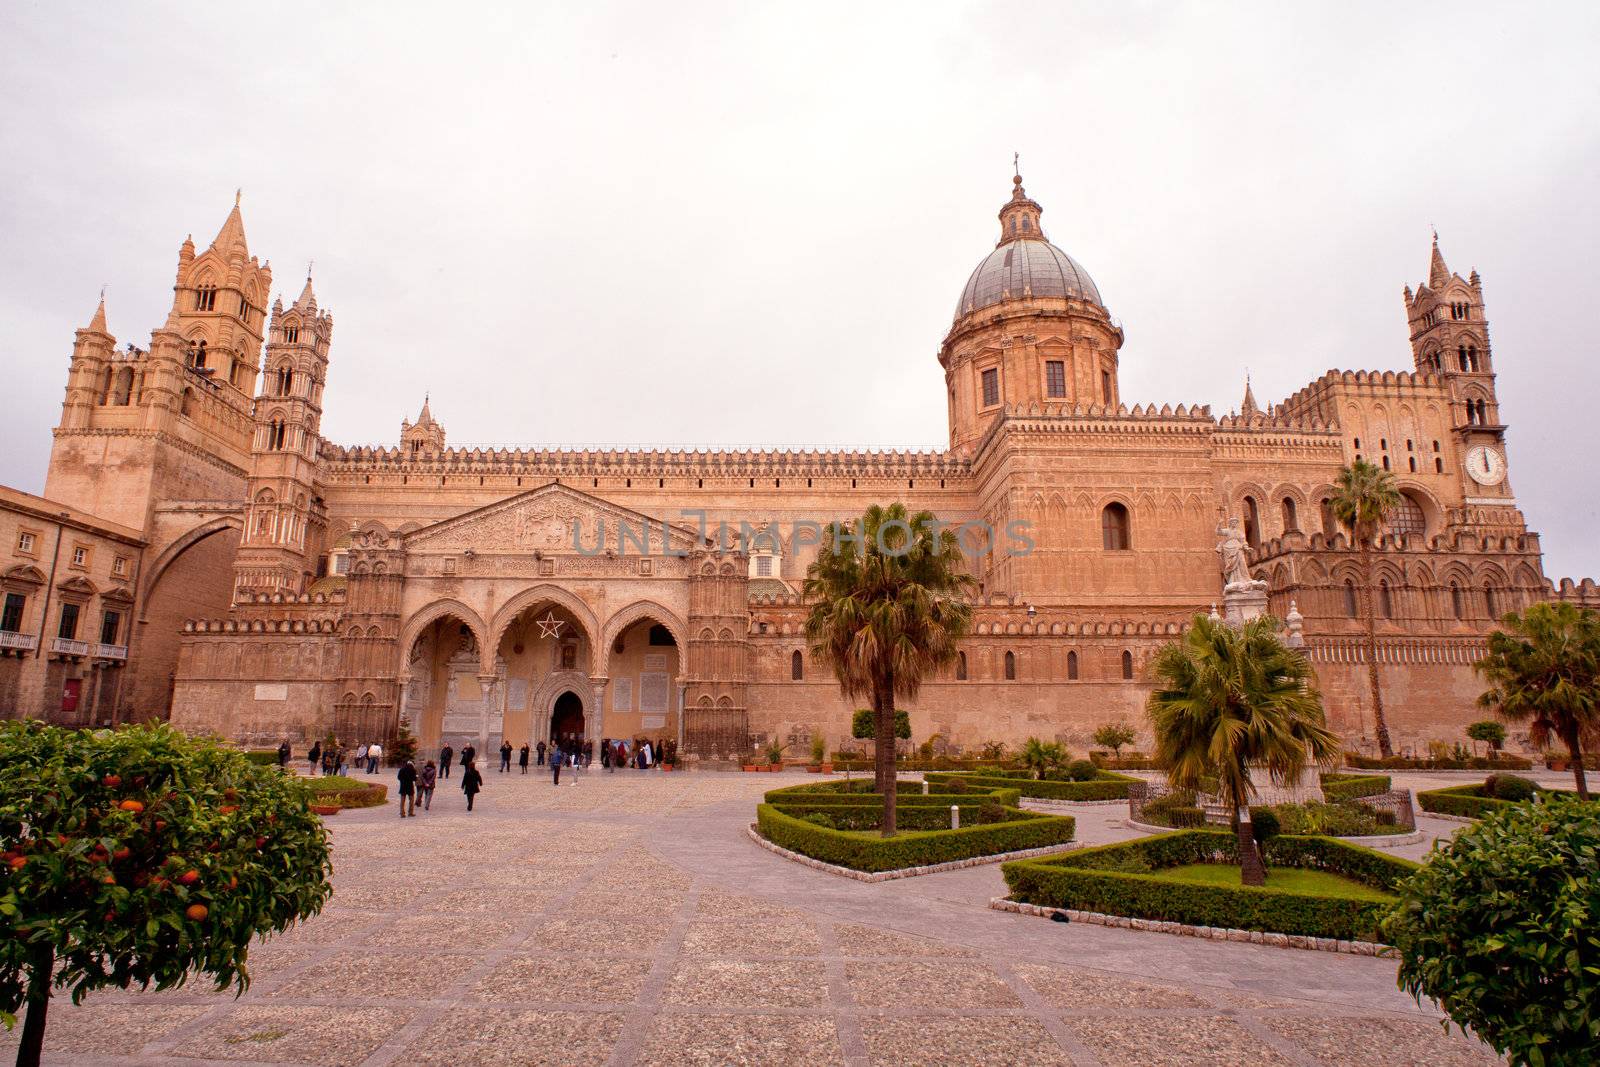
(246, 576)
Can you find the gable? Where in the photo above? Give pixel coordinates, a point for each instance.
(543, 520)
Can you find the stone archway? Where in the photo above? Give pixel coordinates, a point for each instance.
(192, 578)
(566, 725)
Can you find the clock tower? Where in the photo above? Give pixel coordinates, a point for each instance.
(1450, 340)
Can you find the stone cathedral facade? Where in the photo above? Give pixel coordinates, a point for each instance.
(274, 583)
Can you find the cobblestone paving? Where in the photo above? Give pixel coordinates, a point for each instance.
(625, 919)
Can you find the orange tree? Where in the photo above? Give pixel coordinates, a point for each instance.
(139, 857)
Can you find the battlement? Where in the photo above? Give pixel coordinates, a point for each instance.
(260, 626)
(1319, 391)
(651, 462)
(1457, 541)
(1584, 594)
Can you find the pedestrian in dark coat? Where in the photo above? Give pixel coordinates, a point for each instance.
(522, 759)
(469, 754)
(541, 751)
(555, 764)
(505, 756)
(471, 781)
(425, 783)
(284, 753)
(315, 756)
(408, 789)
(446, 754)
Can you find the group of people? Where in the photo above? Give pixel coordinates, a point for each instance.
(418, 784)
(333, 757)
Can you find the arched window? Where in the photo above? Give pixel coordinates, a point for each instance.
(961, 666)
(1385, 599)
(1330, 526)
(1491, 600)
(205, 297)
(1472, 357)
(1252, 522)
(1290, 522)
(1461, 357)
(1457, 605)
(291, 334)
(1127, 664)
(186, 402)
(122, 386)
(1072, 666)
(1114, 532)
(1407, 518)
(1011, 666)
(275, 434)
(1413, 461)
(285, 381)
(797, 666)
(1350, 598)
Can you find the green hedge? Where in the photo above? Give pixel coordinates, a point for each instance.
(1402, 763)
(1124, 879)
(904, 798)
(1105, 786)
(1464, 800)
(866, 851)
(346, 792)
(1350, 786)
(907, 817)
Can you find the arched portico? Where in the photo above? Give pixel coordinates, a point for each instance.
(645, 652)
(539, 596)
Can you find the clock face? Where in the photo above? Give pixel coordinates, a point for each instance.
(1486, 466)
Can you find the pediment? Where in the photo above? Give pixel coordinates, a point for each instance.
(542, 520)
(77, 585)
(25, 572)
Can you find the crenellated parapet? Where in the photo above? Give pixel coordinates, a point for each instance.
(274, 625)
(1317, 400)
(1584, 594)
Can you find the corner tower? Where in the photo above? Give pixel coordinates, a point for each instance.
(1029, 328)
(286, 519)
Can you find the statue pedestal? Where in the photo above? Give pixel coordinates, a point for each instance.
(1243, 601)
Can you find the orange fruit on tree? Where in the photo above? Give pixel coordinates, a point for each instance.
(197, 912)
(134, 806)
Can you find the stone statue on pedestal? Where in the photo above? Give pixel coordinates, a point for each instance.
(1232, 547)
(1243, 598)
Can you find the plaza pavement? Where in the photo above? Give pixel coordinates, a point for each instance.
(626, 919)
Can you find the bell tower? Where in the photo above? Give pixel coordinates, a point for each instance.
(285, 519)
(1450, 339)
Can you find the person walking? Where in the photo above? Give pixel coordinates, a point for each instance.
(505, 756)
(374, 754)
(425, 783)
(469, 754)
(284, 752)
(471, 781)
(408, 789)
(555, 764)
(541, 751)
(314, 757)
(329, 755)
(361, 756)
(341, 757)
(522, 758)
(445, 755)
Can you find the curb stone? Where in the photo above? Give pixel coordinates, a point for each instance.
(1215, 933)
(905, 872)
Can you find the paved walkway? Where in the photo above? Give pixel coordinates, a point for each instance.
(627, 920)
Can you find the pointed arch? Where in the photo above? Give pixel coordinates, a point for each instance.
(421, 620)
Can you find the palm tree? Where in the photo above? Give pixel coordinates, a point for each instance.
(1543, 668)
(1228, 700)
(1041, 756)
(888, 607)
(1362, 501)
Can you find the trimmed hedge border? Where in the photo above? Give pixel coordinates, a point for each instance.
(1401, 763)
(820, 793)
(1351, 786)
(347, 793)
(1106, 786)
(1377, 841)
(915, 848)
(1090, 881)
(1215, 933)
(903, 872)
(1466, 802)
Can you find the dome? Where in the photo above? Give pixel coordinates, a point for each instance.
(1027, 267)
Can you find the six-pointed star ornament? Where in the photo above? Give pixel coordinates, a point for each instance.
(550, 626)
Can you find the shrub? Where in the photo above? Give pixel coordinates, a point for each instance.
(1082, 770)
(819, 748)
(402, 747)
(263, 757)
(990, 812)
(1498, 927)
(1333, 820)
(1510, 787)
(1106, 786)
(345, 791)
(1173, 809)
(818, 818)
(1124, 879)
(1501, 761)
(863, 726)
(1488, 731)
(1184, 817)
(1349, 786)
(142, 856)
(870, 852)
(1264, 824)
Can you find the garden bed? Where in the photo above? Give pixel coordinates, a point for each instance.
(345, 792)
(1471, 801)
(861, 848)
(1131, 880)
(907, 795)
(1404, 763)
(1103, 786)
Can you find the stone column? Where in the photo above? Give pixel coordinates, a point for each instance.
(683, 704)
(594, 723)
(404, 682)
(490, 683)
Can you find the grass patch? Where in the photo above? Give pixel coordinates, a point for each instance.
(1289, 879)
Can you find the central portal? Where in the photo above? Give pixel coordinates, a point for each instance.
(566, 720)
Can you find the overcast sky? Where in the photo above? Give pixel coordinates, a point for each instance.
(748, 224)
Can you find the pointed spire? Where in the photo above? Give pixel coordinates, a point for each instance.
(426, 416)
(1438, 273)
(307, 299)
(98, 323)
(1248, 408)
(231, 235)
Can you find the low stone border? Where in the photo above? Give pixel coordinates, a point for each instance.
(1214, 933)
(1423, 814)
(904, 872)
(1068, 806)
(1377, 841)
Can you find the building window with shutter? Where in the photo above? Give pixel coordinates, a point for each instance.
(1055, 378)
(991, 387)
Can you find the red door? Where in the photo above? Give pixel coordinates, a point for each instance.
(70, 694)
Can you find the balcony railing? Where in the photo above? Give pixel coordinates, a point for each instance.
(15, 642)
(65, 646)
(111, 651)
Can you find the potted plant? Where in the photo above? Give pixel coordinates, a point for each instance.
(747, 761)
(1557, 761)
(669, 755)
(775, 755)
(819, 750)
